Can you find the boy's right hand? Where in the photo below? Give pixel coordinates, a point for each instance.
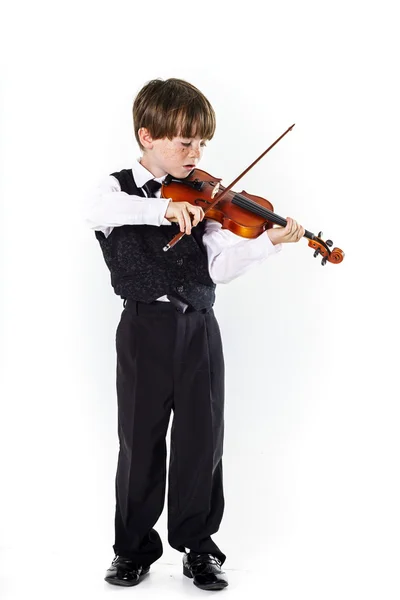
(185, 214)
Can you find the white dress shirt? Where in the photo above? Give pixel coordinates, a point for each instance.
(229, 255)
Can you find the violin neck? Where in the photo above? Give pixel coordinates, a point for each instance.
(257, 209)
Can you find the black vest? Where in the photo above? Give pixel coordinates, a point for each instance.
(141, 270)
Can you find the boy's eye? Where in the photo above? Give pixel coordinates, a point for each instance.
(187, 144)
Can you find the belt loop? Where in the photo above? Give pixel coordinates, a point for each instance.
(136, 307)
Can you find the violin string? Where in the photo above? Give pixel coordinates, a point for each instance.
(253, 207)
(244, 202)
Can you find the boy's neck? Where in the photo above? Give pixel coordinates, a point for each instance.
(154, 169)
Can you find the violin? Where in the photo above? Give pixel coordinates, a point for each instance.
(244, 214)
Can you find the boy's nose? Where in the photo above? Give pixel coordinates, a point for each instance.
(195, 152)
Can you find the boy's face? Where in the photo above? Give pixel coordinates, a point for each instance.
(176, 157)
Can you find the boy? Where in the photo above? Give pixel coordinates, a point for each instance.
(168, 343)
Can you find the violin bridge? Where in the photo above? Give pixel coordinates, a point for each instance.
(215, 191)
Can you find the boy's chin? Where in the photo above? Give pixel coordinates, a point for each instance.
(181, 173)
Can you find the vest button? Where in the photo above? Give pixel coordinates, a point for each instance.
(180, 261)
(179, 289)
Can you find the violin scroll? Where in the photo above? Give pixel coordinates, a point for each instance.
(323, 248)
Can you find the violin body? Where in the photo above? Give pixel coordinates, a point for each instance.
(237, 219)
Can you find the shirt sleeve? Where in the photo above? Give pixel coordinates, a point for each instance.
(108, 207)
(230, 255)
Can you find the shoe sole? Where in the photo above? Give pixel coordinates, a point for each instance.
(213, 586)
(125, 583)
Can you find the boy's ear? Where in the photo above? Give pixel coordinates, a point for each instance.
(145, 138)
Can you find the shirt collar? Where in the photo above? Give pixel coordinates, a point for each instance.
(141, 175)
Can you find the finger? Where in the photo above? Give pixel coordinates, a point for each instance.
(188, 223)
(299, 232)
(181, 221)
(288, 230)
(295, 232)
(194, 215)
(194, 212)
(199, 215)
(292, 230)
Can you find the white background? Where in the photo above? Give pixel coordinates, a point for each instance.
(311, 445)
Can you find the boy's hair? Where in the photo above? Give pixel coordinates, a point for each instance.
(172, 108)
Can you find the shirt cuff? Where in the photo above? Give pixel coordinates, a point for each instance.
(164, 220)
(154, 211)
(271, 248)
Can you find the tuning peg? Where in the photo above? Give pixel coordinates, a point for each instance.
(320, 234)
(318, 250)
(329, 243)
(323, 261)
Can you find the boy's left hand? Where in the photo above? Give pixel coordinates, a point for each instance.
(293, 232)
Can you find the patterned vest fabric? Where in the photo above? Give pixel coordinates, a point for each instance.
(141, 270)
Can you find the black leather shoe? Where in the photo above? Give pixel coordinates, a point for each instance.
(205, 569)
(123, 571)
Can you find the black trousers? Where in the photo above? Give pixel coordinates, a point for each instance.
(168, 360)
